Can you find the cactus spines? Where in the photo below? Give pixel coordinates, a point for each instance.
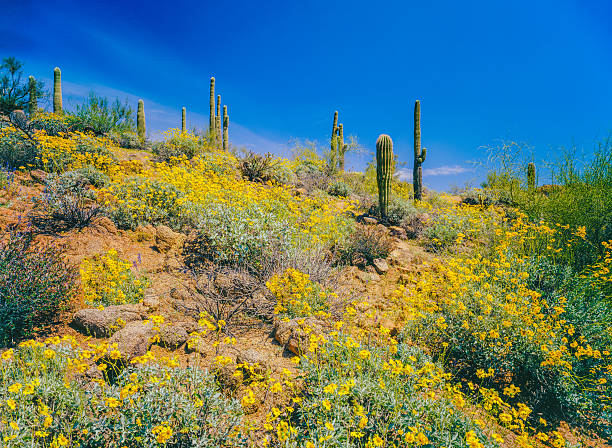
(531, 177)
(384, 171)
(212, 122)
(225, 129)
(419, 154)
(184, 121)
(33, 103)
(140, 120)
(57, 91)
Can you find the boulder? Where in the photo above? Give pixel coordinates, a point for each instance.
(134, 339)
(105, 223)
(381, 265)
(167, 239)
(253, 358)
(295, 335)
(173, 336)
(398, 232)
(103, 323)
(370, 221)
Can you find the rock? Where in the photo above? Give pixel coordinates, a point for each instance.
(105, 223)
(367, 277)
(370, 221)
(398, 232)
(171, 264)
(381, 265)
(151, 303)
(145, 233)
(38, 176)
(390, 325)
(301, 192)
(103, 323)
(173, 336)
(295, 336)
(167, 239)
(134, 339)
(253, 358)
(359, 260)
(382, 229)
(227, 377)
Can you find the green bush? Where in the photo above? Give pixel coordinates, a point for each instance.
(183, 410)
(34, 284)
(400, 211)
(357, 396)
(366, 244)
(339, 188)
(96, 115)
(177, 144)
(16, 149)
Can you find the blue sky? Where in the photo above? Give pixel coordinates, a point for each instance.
(536, 72)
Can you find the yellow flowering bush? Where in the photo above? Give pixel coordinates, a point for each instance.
(298, 296)
(109, 280)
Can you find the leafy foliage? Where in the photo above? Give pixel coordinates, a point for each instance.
(98, 116)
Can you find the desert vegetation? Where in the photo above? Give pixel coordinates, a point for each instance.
(181, 293)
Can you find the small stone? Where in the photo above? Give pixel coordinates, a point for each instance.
(173, 336)
(370, 221)
(151, 303)
(367, 277)
(295, 336)
(254, 359)
(103, 323)
(381, 265)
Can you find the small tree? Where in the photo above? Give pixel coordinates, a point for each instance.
(99, 116)
(14, 89)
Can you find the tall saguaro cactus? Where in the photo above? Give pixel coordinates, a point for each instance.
(212, 123)
(33, 103)
(184, 120)
(334, 130)
(419, 154)
(140, 120)
(225, 129)
(341, 147)
(218, 121)
(384, 171)
(57, 91)
(531, 177)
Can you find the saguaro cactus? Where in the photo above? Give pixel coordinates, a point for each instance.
(218, 120)
(140, 120)
(341, 147)
(33, 103)
(419, 154)
(531, 176)
(212, 123)
(225, 129)
(57, 91)
(384, 171)
(334, 130)
(184, 120)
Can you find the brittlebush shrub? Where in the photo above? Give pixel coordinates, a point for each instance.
(298, 296)
(516, 319)
(109, 280)
(35, 284)
(151, 404)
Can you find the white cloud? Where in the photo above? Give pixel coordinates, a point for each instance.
(405, 174)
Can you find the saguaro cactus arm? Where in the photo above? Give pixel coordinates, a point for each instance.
(212, 122)
(225, 129)
(184, 120)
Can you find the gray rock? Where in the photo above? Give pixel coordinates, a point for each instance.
(103, 323)
(173, 336)
(381, 265)
(253, 358)
(134, 339)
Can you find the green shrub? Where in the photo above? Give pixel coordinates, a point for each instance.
(400, 211)
(34, 284)
(16, 149)
(177, 144)
(339, 188)
(139, 201)
(358, 396)
(96, 115)
(183, 410)
(126, 139)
